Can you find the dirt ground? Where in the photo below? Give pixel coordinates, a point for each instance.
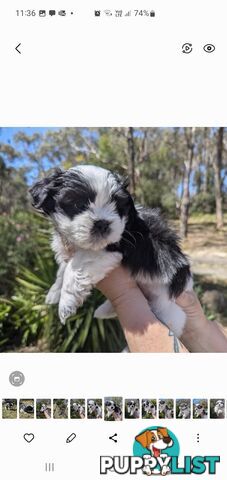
(207, 250)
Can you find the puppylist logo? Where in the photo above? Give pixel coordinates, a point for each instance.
(156, 451)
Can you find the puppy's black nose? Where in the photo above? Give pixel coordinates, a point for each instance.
(101, 226)
(166, 440)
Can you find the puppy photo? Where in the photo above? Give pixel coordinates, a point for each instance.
(26, 408)
(217, 408)
(132, 408)
(166, 408)
(43, 409)
(60, 408)
(149, 408)
(200, 408)
(94, 408)
(9, 408)
(113, 409)
(97, 226)
(77, 408)
(183, 408)
(79, 202)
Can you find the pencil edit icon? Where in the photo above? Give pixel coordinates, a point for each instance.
(71, 438)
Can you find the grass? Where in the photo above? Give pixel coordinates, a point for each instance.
(206, 218)
(9, 413)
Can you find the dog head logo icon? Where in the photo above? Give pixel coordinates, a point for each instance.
(159, 443)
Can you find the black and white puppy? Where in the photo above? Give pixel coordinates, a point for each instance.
(97, 227)
(8, 404)
(200, 411)
(78, 408)
(94, 408)
(184, 410)
(149, 408)
(132, 408)
(112, 409)
(219, 408)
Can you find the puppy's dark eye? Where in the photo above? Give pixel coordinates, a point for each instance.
(73, 203)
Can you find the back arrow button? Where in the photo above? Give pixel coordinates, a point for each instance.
(17, 48)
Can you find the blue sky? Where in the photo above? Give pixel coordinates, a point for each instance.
(6, 134)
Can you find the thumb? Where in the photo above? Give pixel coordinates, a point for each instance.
(188, 301)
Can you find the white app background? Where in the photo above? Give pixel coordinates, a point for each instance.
(84, 71)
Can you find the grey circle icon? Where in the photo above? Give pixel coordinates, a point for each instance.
(16, 378)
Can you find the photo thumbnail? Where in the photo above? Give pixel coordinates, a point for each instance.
(113, 409)
(77, 408)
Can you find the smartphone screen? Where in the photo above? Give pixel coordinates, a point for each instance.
(113, 239)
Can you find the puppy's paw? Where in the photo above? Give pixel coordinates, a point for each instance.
(165, 470)
(53, 296)
(105, 311)
(66, 310)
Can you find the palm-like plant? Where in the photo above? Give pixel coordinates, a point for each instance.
(29, 320)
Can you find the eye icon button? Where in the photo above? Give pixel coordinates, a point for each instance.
(187, 48)
(209, 48)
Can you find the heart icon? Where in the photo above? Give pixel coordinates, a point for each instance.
(29, 437)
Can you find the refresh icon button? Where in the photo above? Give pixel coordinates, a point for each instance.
(187, 47)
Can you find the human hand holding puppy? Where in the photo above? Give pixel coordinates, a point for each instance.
(145, 333)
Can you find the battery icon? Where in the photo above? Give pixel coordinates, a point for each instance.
(152, 13)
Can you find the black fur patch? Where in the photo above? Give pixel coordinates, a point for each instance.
(67, 192)
(150, 247)
(121, 196)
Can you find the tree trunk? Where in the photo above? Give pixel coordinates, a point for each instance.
(184, 211)
(131, 159)
(217, 165)
(206, 160)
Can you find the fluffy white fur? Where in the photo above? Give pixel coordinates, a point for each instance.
(93, 407)
(184, 411)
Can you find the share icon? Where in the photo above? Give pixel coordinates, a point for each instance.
(112, 438)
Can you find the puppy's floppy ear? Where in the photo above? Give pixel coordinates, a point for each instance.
(122, 180)
(166, 437)
(144, 438)
(43, 192)
(163, 431)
